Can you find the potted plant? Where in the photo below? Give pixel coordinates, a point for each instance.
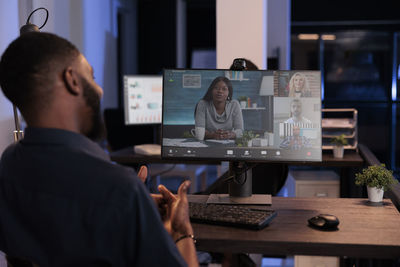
(338, 143)
(243, 101)
(377, 179)
(246, 139)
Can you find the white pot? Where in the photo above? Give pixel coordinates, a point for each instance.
(243, 104)
(250, 143)
(338, 152)
(375, 194)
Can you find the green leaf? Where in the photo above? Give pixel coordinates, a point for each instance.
(376, 176)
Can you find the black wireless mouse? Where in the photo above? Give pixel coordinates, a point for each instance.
(324, 222)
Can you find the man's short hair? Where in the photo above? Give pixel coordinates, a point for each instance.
(29, 67)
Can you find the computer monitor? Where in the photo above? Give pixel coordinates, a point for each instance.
(142, 99)
(265, 116)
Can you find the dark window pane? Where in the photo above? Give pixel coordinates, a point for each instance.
(357, 66)
(304, 54)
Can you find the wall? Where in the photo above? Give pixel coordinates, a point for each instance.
(241, 31)
(100, 45)
(278, 27)
(91, 25)
(8, 31)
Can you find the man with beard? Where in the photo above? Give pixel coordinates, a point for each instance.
(62, 201)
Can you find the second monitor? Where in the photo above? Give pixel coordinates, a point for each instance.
(142, 99)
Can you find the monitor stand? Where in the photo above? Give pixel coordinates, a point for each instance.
(240, 188)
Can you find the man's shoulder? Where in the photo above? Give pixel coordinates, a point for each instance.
(110, 172)
(7, 155)
(9, 150)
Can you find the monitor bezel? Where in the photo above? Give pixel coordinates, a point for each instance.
(220, 159)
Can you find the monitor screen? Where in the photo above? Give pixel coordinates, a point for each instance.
(142, 99)
(253, 115)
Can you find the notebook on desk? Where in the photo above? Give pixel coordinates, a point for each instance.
(148, 149)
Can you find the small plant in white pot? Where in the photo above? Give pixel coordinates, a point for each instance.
(377, 179)
(243, 101)
(338, 143)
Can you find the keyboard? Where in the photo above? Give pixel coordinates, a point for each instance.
(230, 215)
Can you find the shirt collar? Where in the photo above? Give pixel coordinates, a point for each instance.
(52, 136)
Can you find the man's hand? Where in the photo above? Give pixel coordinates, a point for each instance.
(142, 174)
(174, 210)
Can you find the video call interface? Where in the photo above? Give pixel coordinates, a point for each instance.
(142, 99)
(242, 115)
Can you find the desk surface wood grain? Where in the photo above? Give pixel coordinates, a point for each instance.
(364, 231)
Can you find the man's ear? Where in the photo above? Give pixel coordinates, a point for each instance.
(71, 81)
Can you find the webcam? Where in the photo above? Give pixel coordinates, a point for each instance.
(239, 64)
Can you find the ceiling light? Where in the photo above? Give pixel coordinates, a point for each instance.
(328, 37)
(308, 36)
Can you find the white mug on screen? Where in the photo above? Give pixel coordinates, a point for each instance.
(198, 132)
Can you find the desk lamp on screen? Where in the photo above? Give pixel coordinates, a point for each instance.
(244, 117)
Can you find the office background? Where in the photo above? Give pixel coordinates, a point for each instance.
(360, 66)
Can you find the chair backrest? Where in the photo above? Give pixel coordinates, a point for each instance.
(19, 262)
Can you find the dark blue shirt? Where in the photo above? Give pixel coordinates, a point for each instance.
(64, 203)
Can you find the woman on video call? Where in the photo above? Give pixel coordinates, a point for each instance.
(218, 113)
(298, 86)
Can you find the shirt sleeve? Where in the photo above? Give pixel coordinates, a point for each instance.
(237, 119)
(153, 244)
(200, 117)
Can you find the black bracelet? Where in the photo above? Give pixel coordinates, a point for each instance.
(186, 236)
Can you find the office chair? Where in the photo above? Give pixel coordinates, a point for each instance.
(19, 262)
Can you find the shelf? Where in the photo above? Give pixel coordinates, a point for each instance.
(333, 135)
(339, 121)
(326, 147)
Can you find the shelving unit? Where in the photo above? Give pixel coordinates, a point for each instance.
(339, 121)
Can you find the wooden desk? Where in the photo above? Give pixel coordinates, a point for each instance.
(364, 231)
